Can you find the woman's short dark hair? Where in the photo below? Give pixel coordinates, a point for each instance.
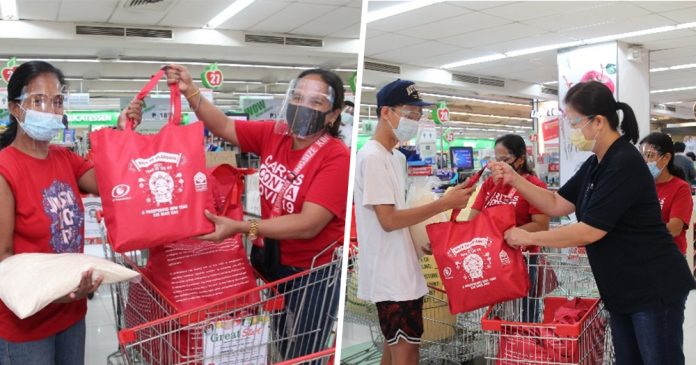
(515, 144)
(21, 77)
(336, 84)
(663, 144)
(595, 98)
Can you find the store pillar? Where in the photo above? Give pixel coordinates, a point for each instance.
(624, 68)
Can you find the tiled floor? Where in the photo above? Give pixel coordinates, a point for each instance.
(101, 329)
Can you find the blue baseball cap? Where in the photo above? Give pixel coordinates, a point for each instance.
(400, 92)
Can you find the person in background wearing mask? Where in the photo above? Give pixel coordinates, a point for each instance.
(389, 272)
(41, 211)
(303, 212)
(673, 192)
(512, 150)
(642, 277)
(685, 163)
(347, 126)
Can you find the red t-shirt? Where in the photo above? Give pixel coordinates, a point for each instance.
(49, 217)
(675, 201)
(323, 181)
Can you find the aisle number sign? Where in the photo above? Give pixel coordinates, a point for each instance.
(212, 77)
(9, 69)
(441, 113)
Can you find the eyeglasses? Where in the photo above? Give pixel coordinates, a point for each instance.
(574, 121)
(43, 102)
(410, 114)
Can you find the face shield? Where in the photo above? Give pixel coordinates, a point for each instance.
(44, 101)
(304, 110)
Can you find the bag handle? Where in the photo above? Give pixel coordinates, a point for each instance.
(234, 197)
(470, 182)
(174, 98)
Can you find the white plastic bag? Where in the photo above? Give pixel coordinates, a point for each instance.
(420, 193)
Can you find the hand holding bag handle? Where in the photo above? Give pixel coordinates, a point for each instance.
(174, 99)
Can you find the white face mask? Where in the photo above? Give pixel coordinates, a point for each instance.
(407, 129)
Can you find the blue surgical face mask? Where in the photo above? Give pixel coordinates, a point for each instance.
(654, 170)
(406, 130)
(41, 126)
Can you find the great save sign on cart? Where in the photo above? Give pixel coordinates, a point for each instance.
(237, 341)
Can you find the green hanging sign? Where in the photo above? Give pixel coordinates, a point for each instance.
(212, 77)
(9, 68)
(441, 113)
(352, 80)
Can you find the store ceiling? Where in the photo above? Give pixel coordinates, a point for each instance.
(316, 18)
(452, 31)
(112, 67)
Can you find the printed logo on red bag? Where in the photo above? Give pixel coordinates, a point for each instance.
(472, 260)
(120, 192)
(200, 181)
(161, 178)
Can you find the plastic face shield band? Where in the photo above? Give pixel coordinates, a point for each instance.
(304, 109)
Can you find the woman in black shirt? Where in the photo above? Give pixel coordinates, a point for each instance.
(641, 275)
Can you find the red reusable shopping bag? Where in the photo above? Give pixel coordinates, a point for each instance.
(476, 265)
(193, 273)
(154, 188)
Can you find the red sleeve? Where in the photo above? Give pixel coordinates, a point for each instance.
(682, 204)
(78, 163)
(481, 196)
(253, 135)
(330, 186)
(536, 181)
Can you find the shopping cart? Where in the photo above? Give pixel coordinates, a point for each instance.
(523, 331)
(447, 338)
(289, 321)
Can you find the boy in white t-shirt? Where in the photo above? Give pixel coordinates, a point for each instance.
(389, 272)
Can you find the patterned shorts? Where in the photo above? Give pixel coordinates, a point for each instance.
(401, 320)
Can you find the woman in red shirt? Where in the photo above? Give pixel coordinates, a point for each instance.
(673, 191)
(512, 150)
(41, 211)
(303, 210)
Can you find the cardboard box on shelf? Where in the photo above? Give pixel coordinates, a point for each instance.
(219, 158)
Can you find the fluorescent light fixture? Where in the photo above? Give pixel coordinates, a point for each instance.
(659, 69)
(672, 68)
(228, 13)
(680, 125)
(550, 47)
(490, 125)
(554, 82)
(398, 9)
(673, 90)
(454, 97)
(672, 102)
(366, 87)
(8, 10)
(473, 61)
(491, 116)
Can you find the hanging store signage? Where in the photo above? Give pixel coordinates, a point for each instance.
(9, 68)
(212, 77)
(441, 113)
